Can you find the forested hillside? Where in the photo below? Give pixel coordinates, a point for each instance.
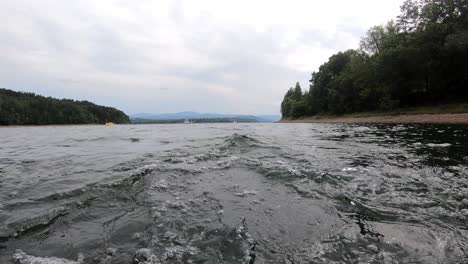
(17, 108)
(420, 59)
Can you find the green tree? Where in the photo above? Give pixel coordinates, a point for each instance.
(18, 108)
(422, 59)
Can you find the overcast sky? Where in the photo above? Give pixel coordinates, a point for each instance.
(237, 56)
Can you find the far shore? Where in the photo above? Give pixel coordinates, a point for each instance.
(388, 119)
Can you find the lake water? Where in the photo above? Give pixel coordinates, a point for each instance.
(234, 193)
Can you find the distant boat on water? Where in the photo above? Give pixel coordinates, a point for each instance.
(109, 124)
(187, 121)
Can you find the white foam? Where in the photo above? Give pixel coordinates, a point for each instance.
(19, 257)
(443, 145)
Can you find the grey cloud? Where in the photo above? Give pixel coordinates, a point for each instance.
(79, 52)
(110, 53)
(335, 41)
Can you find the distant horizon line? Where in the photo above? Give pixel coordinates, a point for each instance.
(195, 112)
(22, 90)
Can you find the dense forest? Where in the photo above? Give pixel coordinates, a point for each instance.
(17, 108)
(419, 59)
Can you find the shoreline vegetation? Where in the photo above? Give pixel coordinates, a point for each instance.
(387, 119)
(444, 114)
(419, 59)
(20, 108)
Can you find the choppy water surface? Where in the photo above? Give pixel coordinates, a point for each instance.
(234, 193)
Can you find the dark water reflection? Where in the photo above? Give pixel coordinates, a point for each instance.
(234, 193)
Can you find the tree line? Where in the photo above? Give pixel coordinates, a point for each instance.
(419, 59)
(18, 108)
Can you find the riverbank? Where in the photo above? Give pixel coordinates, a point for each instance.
(461, 118)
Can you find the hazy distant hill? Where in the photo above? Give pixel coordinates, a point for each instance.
(18, 108)
(195, 115)
(195, 120)
(268, 118)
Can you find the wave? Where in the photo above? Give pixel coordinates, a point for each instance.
(192, 205)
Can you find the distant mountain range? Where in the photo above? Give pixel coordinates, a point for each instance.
(195, 115)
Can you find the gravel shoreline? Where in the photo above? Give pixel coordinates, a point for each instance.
(397, 119)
